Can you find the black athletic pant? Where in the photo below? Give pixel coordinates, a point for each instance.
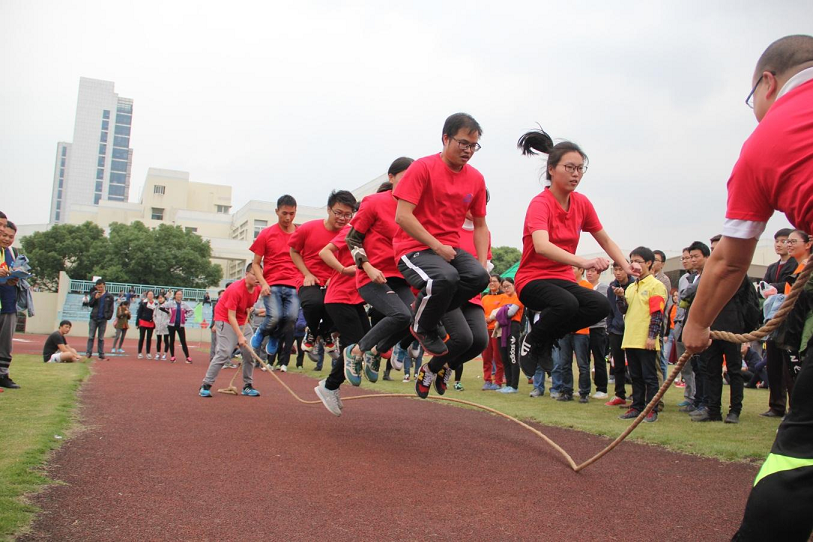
(780, 506)
(700, 381)
(598, 347)
(181, 331)
(468, 336)
(643, 365)
(443, 286)
(619, 365)
(159, 340)
(392, 301)
(563, 306)
(510, 354)
(312, 301)
(353, 324)
(714, 376)
(142, 333)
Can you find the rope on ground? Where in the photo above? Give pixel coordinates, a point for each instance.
(758, 334)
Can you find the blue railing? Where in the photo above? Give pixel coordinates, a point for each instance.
(115, 288)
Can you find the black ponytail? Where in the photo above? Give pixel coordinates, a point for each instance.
(539, 142)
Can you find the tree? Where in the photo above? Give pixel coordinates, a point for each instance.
(504, 257)
(65, 247)
(166, 255)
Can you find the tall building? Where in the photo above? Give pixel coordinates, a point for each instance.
(96, 165)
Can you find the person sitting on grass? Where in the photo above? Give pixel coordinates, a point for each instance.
(56, 349)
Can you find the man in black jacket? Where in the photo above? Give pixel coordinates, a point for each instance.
(780, 381)
(615, 334)
(101, 310)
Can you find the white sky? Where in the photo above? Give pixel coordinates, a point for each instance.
(310, 96)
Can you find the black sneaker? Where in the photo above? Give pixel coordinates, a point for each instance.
(431, 342)
(732, 417)
(442, 379)
(423, 381)
(565, 397)
(583, 399)
(7, 382)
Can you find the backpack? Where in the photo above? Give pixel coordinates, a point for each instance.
(749, 305)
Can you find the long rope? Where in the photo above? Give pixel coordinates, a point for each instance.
(762, 332)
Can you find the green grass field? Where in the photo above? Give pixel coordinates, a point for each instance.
(30, 418)
(750, 440)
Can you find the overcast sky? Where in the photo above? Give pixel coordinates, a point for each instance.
(309, 96)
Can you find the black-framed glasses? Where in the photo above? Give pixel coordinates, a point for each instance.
(339, 214)
(571, 168)
(463, 144)
(749, 101)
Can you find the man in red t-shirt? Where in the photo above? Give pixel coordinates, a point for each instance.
(306, 243)
(278, 277)
(774, 172)
(433, 198)
(230, 316)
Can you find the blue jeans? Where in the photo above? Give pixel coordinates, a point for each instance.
(281, 308)
(556, 373)
(539, 379)
(580, 344)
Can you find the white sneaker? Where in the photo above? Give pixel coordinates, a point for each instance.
(140, 356)
(163, 356)
(406, 378)
(600, 395)
(329, 398)
(283, 368)
(149, 356)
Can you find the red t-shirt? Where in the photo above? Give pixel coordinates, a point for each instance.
(309, 239)
(278, 267)
(775, 167)
(238, 299)
(441, 198)
(342, 288)
(467, 244)
(564, 229)
(376, 220)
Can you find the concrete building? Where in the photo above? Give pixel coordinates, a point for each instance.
(96, 165)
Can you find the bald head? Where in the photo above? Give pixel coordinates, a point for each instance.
(787, 56)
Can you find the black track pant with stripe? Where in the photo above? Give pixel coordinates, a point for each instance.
(443, 286)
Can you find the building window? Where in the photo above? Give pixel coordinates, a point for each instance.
(105, 114)
(100, 173)
(125, 108)
(103, 139)
(62, 163)
(118, 165)
(122, 118)
(60, 183)
(105, 125)
(96, 198)
(59, 193)
(121, 154)
(159, 189)
(122, 130)
(258, 227)
(98, 186)
(101, 161)
(57, 216)
(58, 205)
(61, 172)
(223, 209)
(157, 213)
(64, 151)
(102, 149)
(121, 141)
(191, 230)
(115, 190)
(118, 178)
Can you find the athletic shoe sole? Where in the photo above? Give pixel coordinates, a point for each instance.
(318, 390)
(425, 348)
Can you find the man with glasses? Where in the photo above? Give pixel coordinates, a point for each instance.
(306, 243)
(680, 317)
(774, 172)
(433, 198)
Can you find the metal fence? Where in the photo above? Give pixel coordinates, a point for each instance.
(85, 286)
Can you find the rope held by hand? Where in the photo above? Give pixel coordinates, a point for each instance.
(762, 332)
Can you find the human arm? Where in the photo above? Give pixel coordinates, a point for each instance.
(257, 269)
(405, 218)
(328, 256)
(299, 262)
(241, 340)
(612, 250)
(355, 242)
(544, 247)
(481, 239)
(722, 277)
(620, 299)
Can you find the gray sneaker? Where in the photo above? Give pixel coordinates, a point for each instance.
(554, 395)
(536, 392)
(329, 398)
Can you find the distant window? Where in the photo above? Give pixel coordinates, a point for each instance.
(102, 149)
(103, 139)
(101, 161)
(60, 182)
(159, 189)
(57, 216)
(64, 151)
(258, 227)
(59, 194)
(62, 163)
(58, 205)
(223, 209)
(118, 165)
(122, 130)
(61, 172)
(118, 178)
(105, 125)
(96, 198)
(100, 173)
(121, 141)
(157, 213)
(105, 114)
(122, 118)
(115, 190)
(121, 154)
(115, 198)
(98, 186)
(191, 230)
(125, 108)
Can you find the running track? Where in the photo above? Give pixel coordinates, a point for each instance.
(157, 462)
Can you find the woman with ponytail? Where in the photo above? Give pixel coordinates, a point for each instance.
(553, 223)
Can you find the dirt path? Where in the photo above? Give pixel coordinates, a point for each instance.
(157, 462)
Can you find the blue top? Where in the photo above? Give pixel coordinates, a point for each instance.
(8, 294)
(100, 312)
(177, 314)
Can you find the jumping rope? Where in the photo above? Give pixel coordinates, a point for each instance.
(761, 333)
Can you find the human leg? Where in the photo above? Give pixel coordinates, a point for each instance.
(714, 377)
(350, 321)
(733, 360)
(635, 366)
(181, 331)
(436, 280)
(777, 388)
(581, 347)
(101, 327)
(598, 347)
(226, 342)
(312, 299)
(619, 365)
(8, 323)
(93, 326)
(171, 337)
(472, 278)
(687, 372)
(396, 315)
(566, 348)
(142, 332)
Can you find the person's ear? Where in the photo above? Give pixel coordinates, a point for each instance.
(772, 86)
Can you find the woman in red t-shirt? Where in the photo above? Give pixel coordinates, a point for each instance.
(553, 223)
